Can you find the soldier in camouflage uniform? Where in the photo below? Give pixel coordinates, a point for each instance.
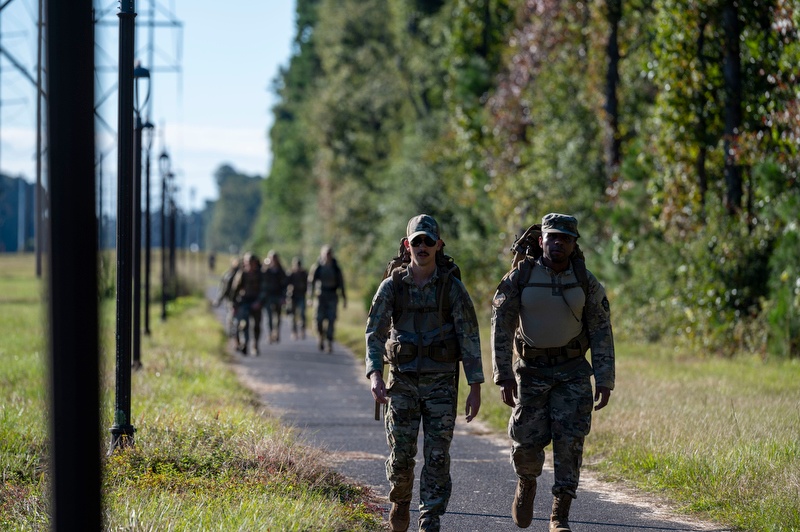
(423, 345)
(296, 292)
(275, 281)
(548, 323)
(327, 282)
(225, 292)
(248, 290)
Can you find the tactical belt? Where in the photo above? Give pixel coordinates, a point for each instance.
(550, 356)
(399, 353)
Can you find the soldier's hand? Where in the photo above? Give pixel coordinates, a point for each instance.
(508, 392)
(377, 387)
(473, 401)
(601, 397)
(344, 302)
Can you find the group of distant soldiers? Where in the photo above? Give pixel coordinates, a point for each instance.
(248, 287)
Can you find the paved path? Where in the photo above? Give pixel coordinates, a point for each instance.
(326, 397)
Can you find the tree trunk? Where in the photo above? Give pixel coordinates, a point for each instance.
(613, 145)
(732, 71)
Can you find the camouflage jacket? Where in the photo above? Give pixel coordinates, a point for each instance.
(463, 327)
(597, 326)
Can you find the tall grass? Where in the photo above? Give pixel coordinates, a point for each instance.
(207, 455)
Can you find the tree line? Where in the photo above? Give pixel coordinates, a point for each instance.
(670, 128)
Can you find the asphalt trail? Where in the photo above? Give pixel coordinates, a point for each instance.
(327, 398)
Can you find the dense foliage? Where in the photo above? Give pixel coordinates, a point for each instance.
(670, 128)
(231, 217)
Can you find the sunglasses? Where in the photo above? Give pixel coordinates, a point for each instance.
(418, 241)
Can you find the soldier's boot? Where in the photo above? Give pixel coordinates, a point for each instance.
(399, 516)
(330, 345)
(321, 344)
(559, 519)
(429, 523)
(522, 509)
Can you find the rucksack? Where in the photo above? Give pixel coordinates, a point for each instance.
(526, 250)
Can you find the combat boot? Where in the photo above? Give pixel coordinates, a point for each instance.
(399, 517)
(522, 509)
(559, 520)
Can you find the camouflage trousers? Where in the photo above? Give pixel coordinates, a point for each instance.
(298, 314)
(326, 312)
(246, 316)
(551, 410)
(430, 399)
(274, 304)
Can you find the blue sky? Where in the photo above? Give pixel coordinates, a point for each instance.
(217, 110)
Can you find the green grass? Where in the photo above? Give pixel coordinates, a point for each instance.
(720, 438)
(207, 455)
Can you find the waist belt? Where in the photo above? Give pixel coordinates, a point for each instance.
(399, 353)
(551, 356)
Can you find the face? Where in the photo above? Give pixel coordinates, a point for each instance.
(423, 249)
(557, 247)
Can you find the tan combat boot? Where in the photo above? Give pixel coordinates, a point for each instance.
(522, 509)
(399, 517)
(559, 520)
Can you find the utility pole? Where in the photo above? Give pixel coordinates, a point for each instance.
(122, 430)
(74, 369)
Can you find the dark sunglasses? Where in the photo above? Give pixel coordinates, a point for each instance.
(418, 241)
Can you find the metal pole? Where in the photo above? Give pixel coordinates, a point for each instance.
(147, 243)
(136, 239)
(164, 164)
(122, 430)
(37, 220)
(74, 367)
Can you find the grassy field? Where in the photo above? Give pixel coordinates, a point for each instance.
(720, 438)
(208, 456)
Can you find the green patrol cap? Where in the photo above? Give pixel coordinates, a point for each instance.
(560, 223)
(422, 224)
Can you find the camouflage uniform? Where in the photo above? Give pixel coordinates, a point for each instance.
(327, 282)
(248, 287)
(225, 292)
(554, 401)
(422, 388)
(275, 281)
(298, 286)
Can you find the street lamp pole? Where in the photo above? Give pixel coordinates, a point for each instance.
(122, 430)
(164, 166)
(139, 73)
(147, 230)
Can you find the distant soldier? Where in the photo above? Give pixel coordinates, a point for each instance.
(296, 295)
(275, 288)
(547, 311)
(327, 282)
(212, 261)
(225, 292)
(248, 287)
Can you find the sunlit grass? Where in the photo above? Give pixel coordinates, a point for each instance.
(207, 455)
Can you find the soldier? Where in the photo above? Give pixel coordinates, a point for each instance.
(327, 282)
(225, 292)
(422, 319)
(296, 294)
(248, 287)
(548, 311)
(275, 288)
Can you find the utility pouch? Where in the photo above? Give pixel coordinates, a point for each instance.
(448, 351)
(398, 354)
